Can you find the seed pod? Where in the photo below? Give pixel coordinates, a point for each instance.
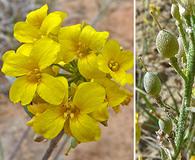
(175, 12)
(167, 44)
(152, 84)
(165, 125)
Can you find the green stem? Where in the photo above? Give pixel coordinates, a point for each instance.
(174, 63)
(181, 126)
(191, 134)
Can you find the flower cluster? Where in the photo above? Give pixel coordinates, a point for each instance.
(66, 77)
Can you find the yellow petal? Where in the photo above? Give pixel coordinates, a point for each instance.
(51, 89)
(99, 40)
(37, 108)
(70, 33)
(89, 96)
(122, 77)
(52, 22)
(103, 63)
(110, 52)
(126, 60)
(66, 55)
(90, 37)
(65, 82)
(50, 123)
(68, 38)
(87, 35)
(101, 114)
(26, 33)
(15, 64)
(22, 90)
(45, 52)
(37, 16)
(84, 128)
(114, 94)
(25, 49)
(63, 15)
(88, 67)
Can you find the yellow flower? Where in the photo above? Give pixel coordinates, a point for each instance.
(38, 25)
(115, 95)
(192, 157)
(28, 66)
(82, 42)
(116, 62)
(74, 116)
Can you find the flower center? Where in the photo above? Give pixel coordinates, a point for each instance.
(82, 50)
(34, 75)
(70, 111)
(113, 65)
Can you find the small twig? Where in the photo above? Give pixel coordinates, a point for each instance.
(52, 146)
(140, 91)
(61, 148)
(18, 145)
(156, 21)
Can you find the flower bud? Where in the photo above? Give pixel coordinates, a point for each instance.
(152, 84)
(175, 12)
(165, 125)
(38, 138)
(167, 44)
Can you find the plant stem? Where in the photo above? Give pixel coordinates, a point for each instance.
(65, 141)
(52, 146)
(191, 135)
(175, 65)
(181, 126)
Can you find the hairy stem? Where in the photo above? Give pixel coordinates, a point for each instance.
(181, 126)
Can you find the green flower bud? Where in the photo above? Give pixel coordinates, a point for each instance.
(167, 44)
(165, 125)
(152, 84)
(175, 12)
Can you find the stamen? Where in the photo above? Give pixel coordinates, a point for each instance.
(113, 65)
(34, 75)
(72, 115)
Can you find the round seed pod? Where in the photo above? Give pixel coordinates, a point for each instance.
(152, 84)
(167, 44)
(165, 125)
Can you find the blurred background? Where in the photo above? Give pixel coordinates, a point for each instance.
(115, 16)
(146, 32)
